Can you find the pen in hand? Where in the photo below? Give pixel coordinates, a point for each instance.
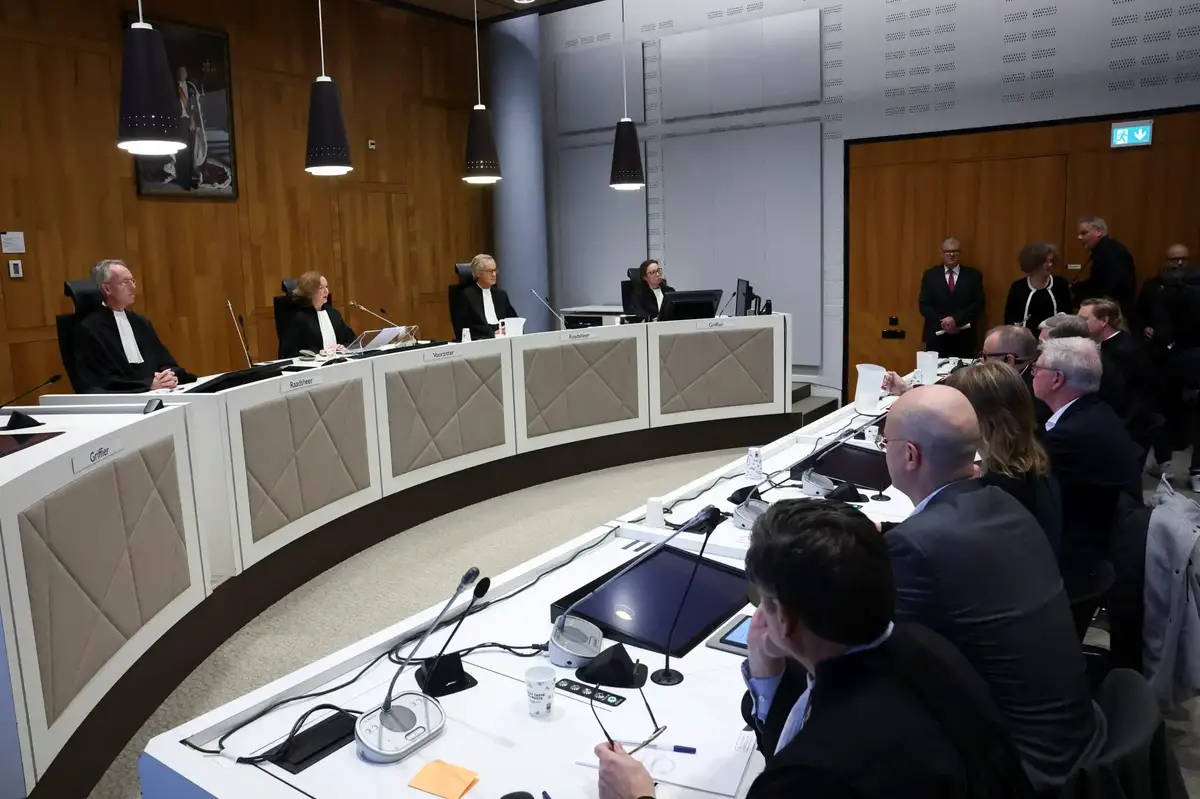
(682, 750)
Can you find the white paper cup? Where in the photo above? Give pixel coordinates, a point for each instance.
(654, 512)
(539, 686)
(754, 470)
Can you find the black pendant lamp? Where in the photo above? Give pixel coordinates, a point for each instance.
(150, 114)
(627, 171)
(482, 164)
(328, 152)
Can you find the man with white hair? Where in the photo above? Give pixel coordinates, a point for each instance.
(1091, 453)
(117, 349)
(1113, 272)
(485, 304)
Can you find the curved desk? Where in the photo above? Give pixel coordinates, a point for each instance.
(282, 479)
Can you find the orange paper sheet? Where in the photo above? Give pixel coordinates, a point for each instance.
(442, 779)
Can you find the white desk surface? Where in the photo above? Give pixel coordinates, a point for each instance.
(78, 431)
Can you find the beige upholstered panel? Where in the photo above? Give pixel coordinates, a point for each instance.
(103, 555)
(444, 410)
(304, 451)
(716, 369)
(580, 385)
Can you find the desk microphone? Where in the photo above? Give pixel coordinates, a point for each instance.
(542, 300)
(667, 675)
(354, 304)
(50, 381)
(726, 305)
(451, 679)
(236, 326)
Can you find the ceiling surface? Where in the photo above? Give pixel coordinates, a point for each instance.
(462, 9)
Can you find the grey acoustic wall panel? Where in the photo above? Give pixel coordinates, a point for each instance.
(580, 385)
(588, 90)
(759, 63)
(747, 203)
(602, 232)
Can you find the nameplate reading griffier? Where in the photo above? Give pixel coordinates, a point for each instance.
(98, 454)
(442, 354)
(299, 382)
(577, 335)
(712, 324)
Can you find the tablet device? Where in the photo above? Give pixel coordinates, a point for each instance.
(731, 637)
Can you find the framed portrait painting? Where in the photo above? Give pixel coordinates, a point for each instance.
(207, 167)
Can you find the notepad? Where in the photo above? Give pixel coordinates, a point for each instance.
(442, 779)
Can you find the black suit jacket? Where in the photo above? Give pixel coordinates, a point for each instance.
(473, 317)
(1113, 274)
(100, 359)
(645, 304)
(303, 331)
(1095, 462)
(975, 566)
(936, 301)
(909, 718)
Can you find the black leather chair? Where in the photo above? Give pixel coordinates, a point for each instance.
(86, 297)
(454, 297)
(283, 306)
(627, 289)
(1088, 592)
(1136, 761)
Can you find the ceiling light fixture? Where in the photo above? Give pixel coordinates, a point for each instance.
(328, 152)
(482, 163)
(149, 122)
(627, 172)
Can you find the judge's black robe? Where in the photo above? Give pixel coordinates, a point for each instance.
(100, 359)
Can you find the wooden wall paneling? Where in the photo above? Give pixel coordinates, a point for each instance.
(375, 247)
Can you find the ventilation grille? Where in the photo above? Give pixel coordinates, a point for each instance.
(948, 86)
(1157, 58)
(1042, 94)
(948, 27)
(1121, 85)
(1123, 41)
(1122, 63)
(1042, 74)
(1014, 77)
(947, 67)
(942, 49)
(1014, 58)
(917, 52)
(1045, 52)
(945, 105)
(1015, 37)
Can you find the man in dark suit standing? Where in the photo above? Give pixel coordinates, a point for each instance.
(484, 304)
(1113, 272)
(973, 564)
(951, 303)
(1091, 452)
(844, 702)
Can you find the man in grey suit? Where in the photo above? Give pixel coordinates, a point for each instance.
(973, 564)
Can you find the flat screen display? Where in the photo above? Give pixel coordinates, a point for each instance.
(15, 442)
(639, 606)
(737, 636)
(859, 466)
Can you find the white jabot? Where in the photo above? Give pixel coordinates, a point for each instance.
(128, 342)
(328, 337)
(658, 296)
(1053, 420)
(489, 307)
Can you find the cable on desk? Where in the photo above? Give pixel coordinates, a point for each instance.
(392, 654)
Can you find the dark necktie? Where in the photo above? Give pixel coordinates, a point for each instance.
(950, 281)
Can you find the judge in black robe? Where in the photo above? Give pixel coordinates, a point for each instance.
(100, 356)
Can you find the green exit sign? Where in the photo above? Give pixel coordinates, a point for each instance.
(1132, 134)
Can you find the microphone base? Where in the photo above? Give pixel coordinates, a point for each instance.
(448, 678)
(415, 719)
(666, 677)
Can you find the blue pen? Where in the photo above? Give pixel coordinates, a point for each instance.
(682, 750)
(545, 795)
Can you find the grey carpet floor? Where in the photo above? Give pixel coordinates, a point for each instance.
(402, 576)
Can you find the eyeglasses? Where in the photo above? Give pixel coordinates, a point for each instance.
(126, 282)
(884, 440)
(1034, 368)
(951, 252)
(984, 355)
(491, 271)
(658, 729)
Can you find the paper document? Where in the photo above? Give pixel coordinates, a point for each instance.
(381, 339)
(12, 242)
(967, 326)
(718, 766)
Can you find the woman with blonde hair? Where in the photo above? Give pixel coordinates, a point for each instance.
(1013, 458)
(314, 324)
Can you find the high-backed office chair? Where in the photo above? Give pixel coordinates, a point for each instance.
(465, 277)
(86, 296)
(284, 307)
(627, 289)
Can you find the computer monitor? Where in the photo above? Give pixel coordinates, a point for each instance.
(701, 304)
(743, 298)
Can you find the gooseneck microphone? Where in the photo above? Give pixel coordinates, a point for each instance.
(241, 338)
(381, 318)
(559, 316)
(667, 675)
(451, 679)
(471, 575)
(391, 732)
(50, 381)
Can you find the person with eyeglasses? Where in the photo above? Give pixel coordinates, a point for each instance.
(117, 350)
(951, 299)
(1016, 346)
(485, 303)
(649, 290)
(972, 564)
(843, 701)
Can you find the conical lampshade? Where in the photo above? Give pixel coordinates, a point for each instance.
(150, 113)
(328, 146)
(483, 165)
(627, 172)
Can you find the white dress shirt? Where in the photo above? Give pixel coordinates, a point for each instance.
(658, 296)
(955, 271)
(1053, 420)
(128, 342)
(328, 336)
(489, 307)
